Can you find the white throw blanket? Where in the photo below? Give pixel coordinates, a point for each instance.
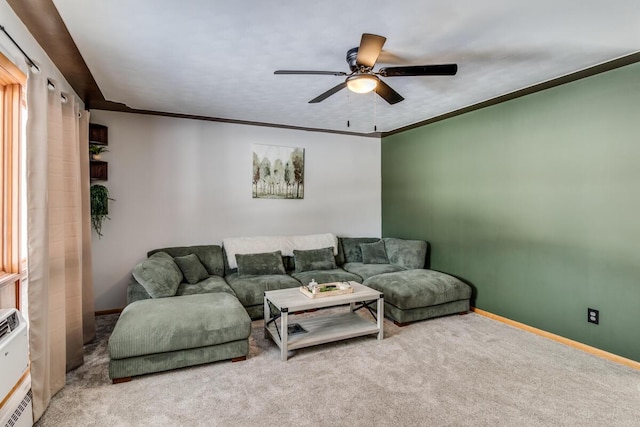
(284, 244)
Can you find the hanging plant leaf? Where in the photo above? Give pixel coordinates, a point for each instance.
(99, 207)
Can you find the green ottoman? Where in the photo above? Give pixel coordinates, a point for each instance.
(160, 334)
(420, 294)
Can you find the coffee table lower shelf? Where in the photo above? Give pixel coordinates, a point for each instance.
(325, 329)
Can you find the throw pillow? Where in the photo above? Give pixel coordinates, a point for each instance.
(159, 275)
(191, 268)
(374, 253)
(351, 247)
(210, 256)
(314, 259)
(260, 264)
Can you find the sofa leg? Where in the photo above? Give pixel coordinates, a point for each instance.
(462, 313)
(401, 324)
(121, 380)
(238, 359)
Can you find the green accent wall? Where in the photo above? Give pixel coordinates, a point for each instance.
(536, 203)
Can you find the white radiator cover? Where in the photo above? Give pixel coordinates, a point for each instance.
(15, 387)
(17, 411)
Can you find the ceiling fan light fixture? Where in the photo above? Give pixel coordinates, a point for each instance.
(362, 83)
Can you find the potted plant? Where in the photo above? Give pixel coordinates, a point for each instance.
(99, 206)
(95, 151)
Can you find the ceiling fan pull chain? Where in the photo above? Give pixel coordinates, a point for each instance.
(375, 111)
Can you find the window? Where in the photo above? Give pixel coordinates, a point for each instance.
(12, 111)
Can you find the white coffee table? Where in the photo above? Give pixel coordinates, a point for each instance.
(321, 328)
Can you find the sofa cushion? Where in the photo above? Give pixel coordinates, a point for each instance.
(172, 324)
(191, 268)
(209, 285)
(314, 259)
(418, 288)
(209, 255)
(260, 264)
(159, 275)
(367, 270)
(409, 254)
(326, 276)
(351, 247)
(374, 253)
(250, 290)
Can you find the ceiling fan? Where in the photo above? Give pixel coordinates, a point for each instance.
(362, 78)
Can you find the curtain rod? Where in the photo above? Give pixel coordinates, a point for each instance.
(31, 63)
(50, 84)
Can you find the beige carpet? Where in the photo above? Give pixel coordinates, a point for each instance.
(452, 371)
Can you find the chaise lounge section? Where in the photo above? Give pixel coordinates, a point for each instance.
(161, 334)
(414, 295)
(396, 267)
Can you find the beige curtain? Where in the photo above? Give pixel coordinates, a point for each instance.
(88, 311)
(60, 298)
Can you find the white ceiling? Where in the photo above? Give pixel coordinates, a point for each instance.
(216, 58)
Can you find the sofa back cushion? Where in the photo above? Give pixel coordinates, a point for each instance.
(209, 255)
(159, 275)
(289, 263)
(314, 259)
(267, 263)
(410, 254)
(351, 247)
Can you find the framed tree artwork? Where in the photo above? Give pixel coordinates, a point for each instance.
(278, 172)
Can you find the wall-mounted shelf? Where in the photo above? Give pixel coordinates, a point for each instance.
(98, 134)
(98, 170)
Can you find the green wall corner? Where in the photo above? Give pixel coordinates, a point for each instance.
(536, 203)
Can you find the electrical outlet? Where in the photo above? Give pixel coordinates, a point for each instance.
(593, 315)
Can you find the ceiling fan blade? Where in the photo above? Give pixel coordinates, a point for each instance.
(327, 73)
(389, 95)
(420, 70)
(369, 50)
(328, 93)
(388, 57)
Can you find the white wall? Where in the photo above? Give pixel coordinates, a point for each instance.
(183, 182)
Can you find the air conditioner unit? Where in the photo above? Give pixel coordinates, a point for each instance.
(15, 387)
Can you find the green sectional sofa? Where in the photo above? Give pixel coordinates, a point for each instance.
(199, 281)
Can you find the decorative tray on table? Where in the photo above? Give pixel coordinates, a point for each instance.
(315, 290)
